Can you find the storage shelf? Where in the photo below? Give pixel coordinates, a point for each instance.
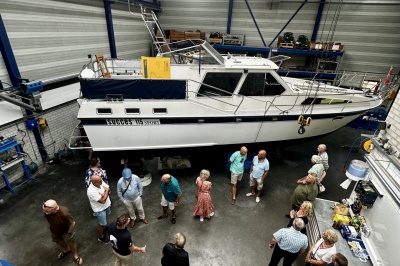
(276, 50)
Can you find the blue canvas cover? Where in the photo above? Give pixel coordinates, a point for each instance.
(133, 89)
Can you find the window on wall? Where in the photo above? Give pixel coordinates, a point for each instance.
(222, 84)
(261, 84)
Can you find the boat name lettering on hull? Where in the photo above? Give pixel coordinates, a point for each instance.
(133, 122)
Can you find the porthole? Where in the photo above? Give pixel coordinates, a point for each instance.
(160, 110)
(104, 111)
(132, 111)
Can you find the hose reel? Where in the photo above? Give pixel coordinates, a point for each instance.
(303, 122)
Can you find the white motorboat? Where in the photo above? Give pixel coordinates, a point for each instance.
(193, 96)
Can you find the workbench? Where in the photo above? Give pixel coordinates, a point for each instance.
(323, 214)
(5, 146)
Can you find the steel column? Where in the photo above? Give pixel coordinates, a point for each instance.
(287, 23)
(318, 20)
(8, 55)
(230, 11)
(110, 29)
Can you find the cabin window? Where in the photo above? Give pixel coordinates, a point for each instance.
(104, 111)
(219, 84)
(261, 84)
(159, 110)
(132, 111)
(324, 101)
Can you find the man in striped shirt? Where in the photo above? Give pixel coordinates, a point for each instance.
(288, 243)
(322, 153)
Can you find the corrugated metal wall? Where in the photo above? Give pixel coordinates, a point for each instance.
(53, 38)
(368, 29)
(3, 72)
(131, 35)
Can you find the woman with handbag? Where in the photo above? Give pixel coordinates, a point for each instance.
(204, 206)
(321, 252)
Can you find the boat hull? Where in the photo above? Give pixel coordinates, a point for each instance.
(205, 132)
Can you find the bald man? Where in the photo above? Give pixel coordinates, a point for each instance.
(324, 156)
(237, 160)
(98, 194)
(258, 172)
(170, 197)
(62, 228)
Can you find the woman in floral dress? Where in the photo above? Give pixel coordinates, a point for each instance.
(204, 206)
(95, 168)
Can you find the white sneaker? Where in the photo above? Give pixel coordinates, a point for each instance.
(212, 214)
(257, 199)
(249, 194)
(201, 219)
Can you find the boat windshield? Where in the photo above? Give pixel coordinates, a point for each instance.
(192, 52)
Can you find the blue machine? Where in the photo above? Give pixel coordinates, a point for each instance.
(31, 87)
(5, 146)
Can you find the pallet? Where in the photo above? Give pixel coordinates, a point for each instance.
(303, 48)
(317, 50)
(215, 41)
(335, 51)
(286, 45)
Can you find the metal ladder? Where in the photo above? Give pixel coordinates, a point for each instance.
(152, 24)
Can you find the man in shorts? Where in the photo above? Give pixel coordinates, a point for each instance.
(62, 228)
(237, 160)
(258, 172)
(100, 202)
(171, 195)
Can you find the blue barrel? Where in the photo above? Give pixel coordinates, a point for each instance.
(358, 168)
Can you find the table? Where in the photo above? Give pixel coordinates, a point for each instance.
(323, 214)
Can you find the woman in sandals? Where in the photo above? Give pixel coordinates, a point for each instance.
(204, 206)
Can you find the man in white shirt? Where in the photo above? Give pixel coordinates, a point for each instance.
(100, 202)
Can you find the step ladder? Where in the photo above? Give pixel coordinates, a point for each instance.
(153, 26)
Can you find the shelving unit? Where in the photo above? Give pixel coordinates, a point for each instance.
(7, 145)
(233, 39)
(277, 51)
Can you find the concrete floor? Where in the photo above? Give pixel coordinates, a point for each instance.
(236, 235)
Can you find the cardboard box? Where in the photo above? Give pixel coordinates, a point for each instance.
(319, 46)
(177, 36)
(335, 47)
(195, 35)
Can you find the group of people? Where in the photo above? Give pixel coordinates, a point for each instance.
(288, 242)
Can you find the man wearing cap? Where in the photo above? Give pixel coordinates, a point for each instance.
(62, 228)
(98, 194)
(130, 190)
(170, 197)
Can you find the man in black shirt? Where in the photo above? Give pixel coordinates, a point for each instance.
(174, 254)
(121, 241)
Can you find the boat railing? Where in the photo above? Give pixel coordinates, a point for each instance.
(268, 103)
